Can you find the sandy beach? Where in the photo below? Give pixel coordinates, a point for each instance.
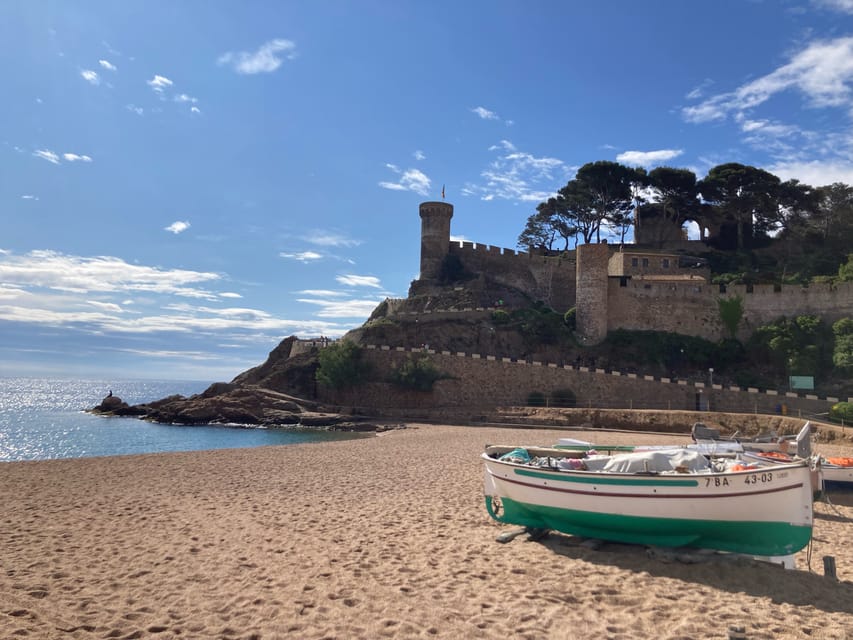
(384, 537)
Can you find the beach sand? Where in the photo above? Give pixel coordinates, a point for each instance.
(384, 537)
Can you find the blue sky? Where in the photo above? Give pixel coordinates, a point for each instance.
(183, 184)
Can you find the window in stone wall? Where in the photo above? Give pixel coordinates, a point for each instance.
(645, 262)
(665, 263)
(635, 262)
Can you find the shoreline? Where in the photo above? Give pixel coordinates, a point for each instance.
(364, 538)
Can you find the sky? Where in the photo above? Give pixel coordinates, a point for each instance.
(185, 183)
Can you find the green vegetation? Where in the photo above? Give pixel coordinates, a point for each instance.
(770, 231)
(842, 354)
(842, 411)
(800, 346)
(731, 312)
(416, 374)
(500, 317)
(341, 365)
(570, 318)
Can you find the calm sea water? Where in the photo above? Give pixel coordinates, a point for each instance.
(42, 419)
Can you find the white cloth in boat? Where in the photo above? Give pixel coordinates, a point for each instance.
(655, 461)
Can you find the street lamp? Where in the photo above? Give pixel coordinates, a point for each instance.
(711, 375)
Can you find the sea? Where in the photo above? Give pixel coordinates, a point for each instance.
(45, 418)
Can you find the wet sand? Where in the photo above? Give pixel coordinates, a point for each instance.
(385, 537)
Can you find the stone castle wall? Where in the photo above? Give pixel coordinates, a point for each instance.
(580, 279)
(482, 382)
(692, 309)
(547, 278)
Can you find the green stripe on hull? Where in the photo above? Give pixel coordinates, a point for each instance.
(630, 480)
(752, 538)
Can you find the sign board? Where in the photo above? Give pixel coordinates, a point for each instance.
(801, 382)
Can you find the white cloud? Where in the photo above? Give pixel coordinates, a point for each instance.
(106, 64)
(485, 114)
(419, 155)
(410, 180)
(48, 155)
(195, 109)
(29, 197)
(137, 110)
(91, 76)
(105, 306)
(183, 97)
(45, 269)
(816, 173)
(343, 308)
(359, 281)
(229, 294)
(159, 83)
(327, 293)
(520, 176)
(178, 226)
(845, 6)
(303, 256)
(73, 157)
(264, 60)
(648, 158)
(330, 239)
(822, 72)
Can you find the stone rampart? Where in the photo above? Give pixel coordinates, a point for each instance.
(480, 382)
(547, 278)
(692, 309)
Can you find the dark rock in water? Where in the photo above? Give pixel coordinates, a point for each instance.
(115, 406)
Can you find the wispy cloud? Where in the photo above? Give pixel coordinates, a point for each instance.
(60, 272)
(409, 180)
(106, 64)
(29, 197)
(330, 239)
(648, 158)
(327, 293)
(230, 294)
(178, 226)
(822, 72)
(91, 77)
(47, 154)
(844, 6)
(183, 97)
(302, 256)
(137, 110)
(266, 59)
(159, 83)
(419, 155)
(359, 281)
(484, 113)
(73, 157)
(343, 308)
(816, 172)
(520, 176)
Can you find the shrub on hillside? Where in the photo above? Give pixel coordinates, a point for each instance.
(842, 411)
(341, 365)
(416, 374)
(500, 316)
(570, 318)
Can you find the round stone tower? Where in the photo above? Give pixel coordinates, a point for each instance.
(591, 297)
(435, 237)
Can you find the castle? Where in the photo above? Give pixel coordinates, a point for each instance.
(633, 287)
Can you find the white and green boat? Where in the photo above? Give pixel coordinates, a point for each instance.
(669, 498)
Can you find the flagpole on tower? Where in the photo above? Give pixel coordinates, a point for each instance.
(442, 192)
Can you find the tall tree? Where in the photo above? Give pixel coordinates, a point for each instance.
(676, 193)
(744, 195)
(609, 188)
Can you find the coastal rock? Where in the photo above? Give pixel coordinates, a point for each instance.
(236, 404)
(113, 405)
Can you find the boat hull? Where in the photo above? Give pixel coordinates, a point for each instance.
(764, 512)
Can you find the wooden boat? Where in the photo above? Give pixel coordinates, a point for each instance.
(669, 498)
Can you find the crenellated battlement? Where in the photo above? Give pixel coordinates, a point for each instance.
(625, 287)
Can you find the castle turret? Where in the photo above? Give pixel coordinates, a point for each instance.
(591, 296)
(435, 237)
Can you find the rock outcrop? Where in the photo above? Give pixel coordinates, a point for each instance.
(241, 403)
